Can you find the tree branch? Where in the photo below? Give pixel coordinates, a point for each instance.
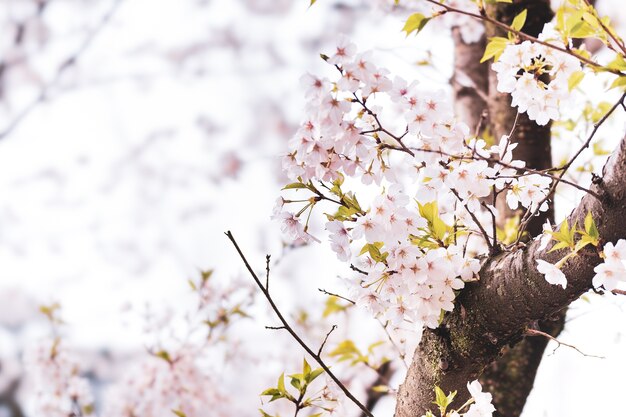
(291, 331)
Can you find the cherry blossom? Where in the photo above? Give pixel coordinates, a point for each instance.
(482, 406)
(56, 387)
(613, 270)
(552, 273)
(536, 76)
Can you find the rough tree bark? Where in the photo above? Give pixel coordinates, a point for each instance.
(485, 333)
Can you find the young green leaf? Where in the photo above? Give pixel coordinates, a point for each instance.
(519, 20)
(494, 48)
(575, 79)
(415, 23)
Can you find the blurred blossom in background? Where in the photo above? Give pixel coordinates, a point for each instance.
(133, 133)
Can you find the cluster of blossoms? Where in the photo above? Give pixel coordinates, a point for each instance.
(537, 77)
(166, 382)
(56, 388)
(608, 273)
(178, 373)
(613, 270)
(411, 248)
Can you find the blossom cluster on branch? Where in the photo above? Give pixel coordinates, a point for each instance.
(537, 76)
(417, 241)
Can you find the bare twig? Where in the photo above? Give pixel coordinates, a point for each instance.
(335, 295)
(292, 332)
(267, 271)
(332, 329)
(356, 269)
(492, 248)
(533, 332)
(401, 354)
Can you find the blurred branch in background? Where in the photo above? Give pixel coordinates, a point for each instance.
(67, 63)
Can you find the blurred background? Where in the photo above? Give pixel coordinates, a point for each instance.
(133, 133)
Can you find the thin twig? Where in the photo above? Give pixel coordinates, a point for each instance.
(492, 249)
(332, 329)
(494, 226)
(380, 127)
(292, 331)
(267, 271)
(356, 269)
(401, 354)
(335, 295)
(533, 332)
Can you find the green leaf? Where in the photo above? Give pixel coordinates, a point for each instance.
(560, 245)
(494, 48)
(519, 20)
(575, 79)
(429, 211)
(264, 414)
(281, 384)
(347, 350)
(441, 399)
(588, 222)
(179, 413)
(415, 23)
(618, 82)
(374, 251)
(306, 368)
(315, 373)
(295, 185)
(618, 63)
(274, 393)
(312, 3)
(333, 306)
(163, 354)
(374, 345)
(345, 213)
(296, 381)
